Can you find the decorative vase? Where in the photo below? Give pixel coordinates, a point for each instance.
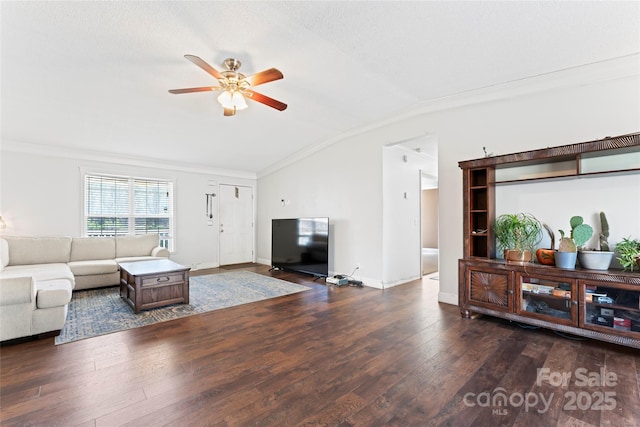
(546, 256)
(566, 259)
(595, 260)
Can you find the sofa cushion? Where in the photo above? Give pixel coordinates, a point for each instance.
(127, 246)
(16, 290)
(53, 293)
(40, 272)
(160, 252)
(92, 248)
(87, 268)
(137, 258)
(38, 250)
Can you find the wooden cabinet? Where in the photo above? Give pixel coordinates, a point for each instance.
(603, 305)
(553, 298)
(547, 297)
(153, 283)
(488, 287)
(610, 308)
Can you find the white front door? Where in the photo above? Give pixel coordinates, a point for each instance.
(236, 224)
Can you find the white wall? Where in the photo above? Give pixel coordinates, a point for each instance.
(555, 202)
(342, 182)
(41, 195)
(345, 180)
(401, 231)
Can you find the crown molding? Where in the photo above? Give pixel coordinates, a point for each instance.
(105, 157)
(611, 69)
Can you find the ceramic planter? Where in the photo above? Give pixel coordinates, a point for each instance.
(517, 256)
(595, 260)
(566, 259)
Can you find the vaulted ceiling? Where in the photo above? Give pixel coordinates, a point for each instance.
(94, 76)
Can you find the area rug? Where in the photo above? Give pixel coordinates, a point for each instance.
(102, 311)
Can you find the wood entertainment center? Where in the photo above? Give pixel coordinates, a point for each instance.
(603, 305)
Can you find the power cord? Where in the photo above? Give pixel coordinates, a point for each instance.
(352, 281)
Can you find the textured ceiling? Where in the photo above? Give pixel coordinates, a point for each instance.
(94, 75)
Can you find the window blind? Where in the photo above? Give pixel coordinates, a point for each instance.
(117, 206)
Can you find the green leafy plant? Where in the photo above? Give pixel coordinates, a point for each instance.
(579, 235)
(520, 231)
(629, 253)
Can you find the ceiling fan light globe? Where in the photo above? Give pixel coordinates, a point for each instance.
(225, 99)
(238, 101)
(232, 100)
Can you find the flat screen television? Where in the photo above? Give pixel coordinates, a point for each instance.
(301, 244)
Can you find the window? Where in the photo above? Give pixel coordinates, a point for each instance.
(119, 206)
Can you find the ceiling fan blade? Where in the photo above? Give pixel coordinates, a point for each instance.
(263, 99)
(229, 111)
(265, 76)
(202, 64)
(195, 89)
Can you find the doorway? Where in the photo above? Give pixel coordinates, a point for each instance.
(429, 223)
(425, 152)
(236, 224)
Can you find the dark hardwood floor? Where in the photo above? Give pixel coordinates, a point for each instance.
(328, 356)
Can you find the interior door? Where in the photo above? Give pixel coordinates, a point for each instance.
(236, 224)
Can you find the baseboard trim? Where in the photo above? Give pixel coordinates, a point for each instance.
(399, 282)
(263, 261)
(448, 298)
(204, 265)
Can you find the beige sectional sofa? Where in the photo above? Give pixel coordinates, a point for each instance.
(38, 275)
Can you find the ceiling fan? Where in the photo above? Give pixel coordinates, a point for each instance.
(235, 86)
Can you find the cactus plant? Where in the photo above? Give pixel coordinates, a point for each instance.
(598, 259)
(604, 232)
(569, 245)
(580, 233)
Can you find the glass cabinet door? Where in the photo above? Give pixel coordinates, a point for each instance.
(611, 308)
(547, 298)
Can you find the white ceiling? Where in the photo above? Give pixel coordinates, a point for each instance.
(94, 75)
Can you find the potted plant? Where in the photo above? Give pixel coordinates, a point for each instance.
(517, 235)
(568, 247)
(598, 259)
(629, 253)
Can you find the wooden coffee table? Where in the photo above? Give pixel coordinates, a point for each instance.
(153, 283)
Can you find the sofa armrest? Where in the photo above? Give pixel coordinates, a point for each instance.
(17, 290)
(160, 251)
